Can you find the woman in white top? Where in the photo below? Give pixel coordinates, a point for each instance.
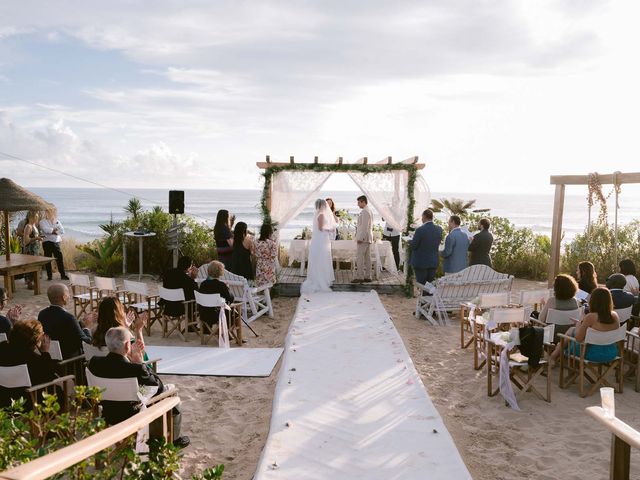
(628, 269)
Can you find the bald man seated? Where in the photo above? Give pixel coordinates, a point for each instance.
(61, 325)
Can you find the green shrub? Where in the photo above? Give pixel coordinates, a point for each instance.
(596, 245)
(517, 251)
(25, 436)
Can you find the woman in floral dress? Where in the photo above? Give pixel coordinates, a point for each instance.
(266, 254)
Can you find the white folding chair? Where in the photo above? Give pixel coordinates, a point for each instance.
(18, 377)
(140, 298)
(632, 356)
(84, 295)
(468, 321)
(563, 319)
(214, 300)
(579, 368)
(3, 337)
(91, 351)
(624, 314)
(107, 287)
(177, 323)
(254, 301)
(498, 319)
(54, 350)
(534, 298)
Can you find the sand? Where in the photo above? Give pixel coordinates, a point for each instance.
(227, 419)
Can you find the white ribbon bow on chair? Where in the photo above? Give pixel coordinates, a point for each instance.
(223, 330)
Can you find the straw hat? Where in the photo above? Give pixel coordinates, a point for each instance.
(14, 198)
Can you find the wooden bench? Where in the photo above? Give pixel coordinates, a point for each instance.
(464, 286)
(21, 264)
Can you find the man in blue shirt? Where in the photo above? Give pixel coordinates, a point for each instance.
(456, 246)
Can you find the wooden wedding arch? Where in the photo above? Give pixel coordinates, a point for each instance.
(561, 181)
(410, 165)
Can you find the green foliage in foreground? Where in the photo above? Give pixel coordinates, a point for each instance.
(25, 436)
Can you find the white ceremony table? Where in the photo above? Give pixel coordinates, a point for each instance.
(345, 251)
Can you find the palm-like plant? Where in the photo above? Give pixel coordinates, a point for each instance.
(456, 206)
(134, 208)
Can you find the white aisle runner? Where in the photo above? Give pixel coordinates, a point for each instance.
(349, 403)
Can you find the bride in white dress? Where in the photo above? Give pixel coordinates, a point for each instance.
(320, 264)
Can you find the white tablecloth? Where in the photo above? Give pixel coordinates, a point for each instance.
(345, 250)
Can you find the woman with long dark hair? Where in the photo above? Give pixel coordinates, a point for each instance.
(111, 314)
(266, 255)
(601, 317)
(243, 248)
(628, 269)
(223, 237)
(587, 277)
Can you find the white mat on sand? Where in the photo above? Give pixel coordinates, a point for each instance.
(349, 403)
(221, 362)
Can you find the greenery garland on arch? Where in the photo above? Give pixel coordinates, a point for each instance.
(411, 170)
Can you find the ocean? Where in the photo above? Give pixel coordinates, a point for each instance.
(82, 210)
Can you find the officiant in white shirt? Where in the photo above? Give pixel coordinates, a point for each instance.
(364, 239)
(53, 230)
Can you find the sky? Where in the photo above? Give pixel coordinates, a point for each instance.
(492, 95)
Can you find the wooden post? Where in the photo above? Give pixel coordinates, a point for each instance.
(556, 233)
(268, 196)
(7, 237)
(620, 459)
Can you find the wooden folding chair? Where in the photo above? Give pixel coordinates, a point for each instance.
(534, 299)
(108, 287)
(632, 357)
(17, 378)
(498, 319)
(128, 390)
(521, 374)
(579, 368)
(469, 311)
(214, 300)
(85, 296)
(140, 298)
(175, 323)
(624, 314)
(70, 366)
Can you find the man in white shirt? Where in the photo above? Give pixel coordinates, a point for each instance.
(393, 235)
(52, 229)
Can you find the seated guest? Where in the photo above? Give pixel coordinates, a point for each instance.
(243, 248)
(181, 277)
(266, 256)
(601, 318)
(213, 284)
(628, 269)
(117, 364)
(61, 325)
(587, 277)
(564, 290)
(5, 323)
(223, 237)
(111, 315)
(27, 345)
(621, 299)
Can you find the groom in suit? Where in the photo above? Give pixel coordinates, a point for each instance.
(364, 238)
(424, 249)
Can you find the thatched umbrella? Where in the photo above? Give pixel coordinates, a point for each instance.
(14, 198)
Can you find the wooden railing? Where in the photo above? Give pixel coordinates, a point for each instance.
(56, 462)
(622, 439)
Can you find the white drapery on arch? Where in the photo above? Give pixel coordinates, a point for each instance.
(387, 192)
(292, 191)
